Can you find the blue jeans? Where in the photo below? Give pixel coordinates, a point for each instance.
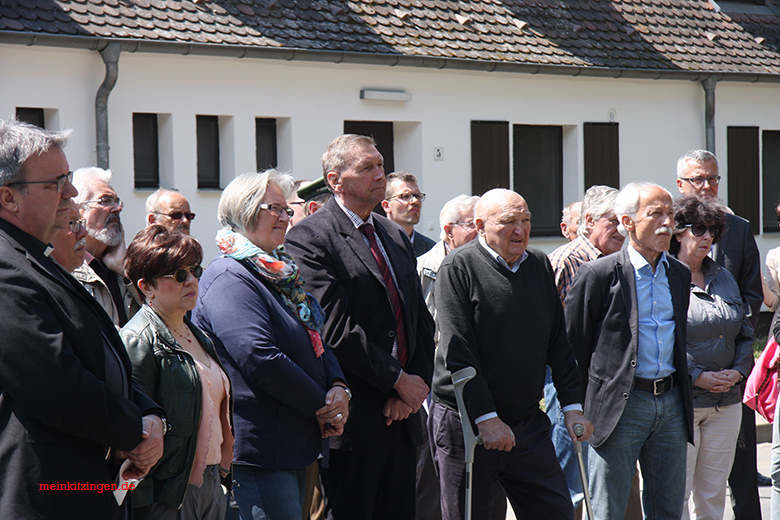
(652, 430)
(263, 494)
(564, 448)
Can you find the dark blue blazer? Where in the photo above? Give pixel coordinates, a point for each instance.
(341, 272)
(278, 382)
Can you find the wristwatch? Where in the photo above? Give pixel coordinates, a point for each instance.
(165, 425)
(347, 390)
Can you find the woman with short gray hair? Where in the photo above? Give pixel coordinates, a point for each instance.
(290, 393)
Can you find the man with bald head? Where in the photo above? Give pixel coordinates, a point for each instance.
(499, 312)
(170, 209)
(626, 317)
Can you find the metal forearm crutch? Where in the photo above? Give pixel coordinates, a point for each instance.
(470, 441)
(578, 431)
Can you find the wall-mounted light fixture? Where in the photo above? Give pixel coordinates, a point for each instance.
(385, 95)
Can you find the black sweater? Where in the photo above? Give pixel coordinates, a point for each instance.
(506, 325)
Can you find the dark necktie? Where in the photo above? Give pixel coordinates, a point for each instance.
(392, 291)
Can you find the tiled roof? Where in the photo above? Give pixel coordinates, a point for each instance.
(629, 35)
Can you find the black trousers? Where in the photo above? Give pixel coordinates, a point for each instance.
(529, 474)
(743, 476)
(374, 485)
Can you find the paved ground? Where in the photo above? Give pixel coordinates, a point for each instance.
(764, 459)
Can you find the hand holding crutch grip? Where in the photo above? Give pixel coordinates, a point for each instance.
(579, 430)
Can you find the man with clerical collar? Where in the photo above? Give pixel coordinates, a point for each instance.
(70, 411)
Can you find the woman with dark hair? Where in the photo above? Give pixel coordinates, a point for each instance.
(290, 392)
(719, 342)
(177, 365)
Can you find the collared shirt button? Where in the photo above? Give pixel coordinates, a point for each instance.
(720, 336)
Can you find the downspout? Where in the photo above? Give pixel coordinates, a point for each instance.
(709, 111)
(110, 55)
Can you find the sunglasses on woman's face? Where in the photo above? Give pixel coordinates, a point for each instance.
(698, 230)
(181, 274)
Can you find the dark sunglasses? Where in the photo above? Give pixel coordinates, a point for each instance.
(177, 215)
(181, 274)
(698, 230)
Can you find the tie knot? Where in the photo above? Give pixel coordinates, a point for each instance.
(367, 230)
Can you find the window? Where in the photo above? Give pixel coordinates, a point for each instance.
(601, 154)
(208, 151)
(771, 176)
(34, 116)
(489, 156)
(265, 143)
(146, 151)
(538, 174)
(382, 132)
(743, 173)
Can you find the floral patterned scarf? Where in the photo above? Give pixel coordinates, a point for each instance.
(278, 269)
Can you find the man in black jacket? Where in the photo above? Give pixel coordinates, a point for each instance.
(361, 268)
(69, 410)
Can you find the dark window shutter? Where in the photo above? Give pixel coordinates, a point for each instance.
(208, 151)
(771, 176)
(538, 174)
(382, 132)
(265, 143)
(146, 152)
(602, 154)
(743, 173)
(34, 116)
(489, 156)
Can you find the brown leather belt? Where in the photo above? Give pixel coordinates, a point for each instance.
(654, 386)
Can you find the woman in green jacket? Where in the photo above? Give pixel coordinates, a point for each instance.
(178, 366)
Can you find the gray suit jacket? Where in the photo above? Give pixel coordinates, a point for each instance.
(738, 253)
(602, 323)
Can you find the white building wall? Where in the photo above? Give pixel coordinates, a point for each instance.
(659, 119)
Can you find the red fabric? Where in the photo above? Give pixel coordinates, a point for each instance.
(761, 387)
(392, 291)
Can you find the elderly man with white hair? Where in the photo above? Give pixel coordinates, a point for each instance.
(626, 317)
(102, 273)
(498, 312)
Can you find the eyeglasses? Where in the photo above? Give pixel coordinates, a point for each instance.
(106, 202)
(465, 225)
(181, 274)
(407, 197)
(75, 225)
(177, 215)
(698, 230)
(277, 210)
(698, 182)
(59, 182)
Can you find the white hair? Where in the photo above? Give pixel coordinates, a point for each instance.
(627, 201)
(597, 202)
(453, 210)
(83, 178)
